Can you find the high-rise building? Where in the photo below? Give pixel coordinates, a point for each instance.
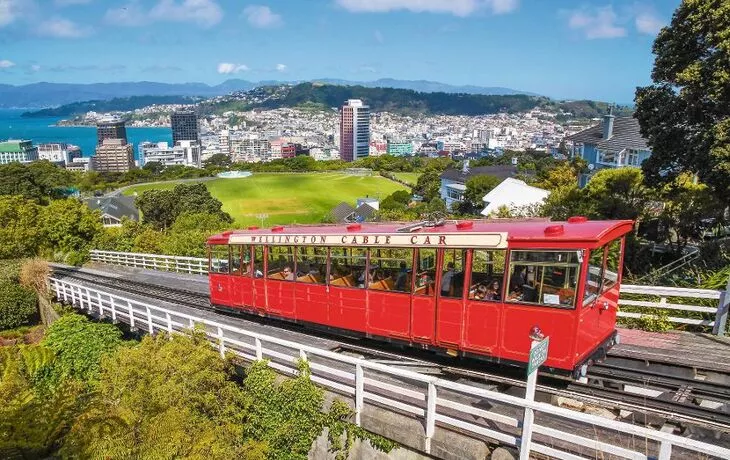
(58, 152)
(184, 153)
(17, 150)
(354, 130)
(110, 129)
(184, 126)
(114, 155)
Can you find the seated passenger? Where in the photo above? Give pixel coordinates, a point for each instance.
(287, 273)
(493, 291)
(402, 278)
(481, 292)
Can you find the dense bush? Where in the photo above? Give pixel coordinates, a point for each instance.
(18, 305)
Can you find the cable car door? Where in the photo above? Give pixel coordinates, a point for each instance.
(423, 301)
(450, 298)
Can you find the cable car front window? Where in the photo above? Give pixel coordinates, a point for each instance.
(613, 260)
(219, 261)
(594, 278)
(548, 278)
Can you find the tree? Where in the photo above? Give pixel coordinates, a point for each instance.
(618, 194)
(20, 234)
(685, 113)
(189, 233)
(165, 399)
(70, 227)
(155, 168)
(476, 188)
(18, 305)
(396, 200)
(162, 207)
(157, 207)
(219, 160)
(563, 175)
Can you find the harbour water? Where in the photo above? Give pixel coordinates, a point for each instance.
(42, 130)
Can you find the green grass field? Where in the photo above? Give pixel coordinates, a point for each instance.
(408, 178)
(288, 198)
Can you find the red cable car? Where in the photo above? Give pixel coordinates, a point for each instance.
(478, 289)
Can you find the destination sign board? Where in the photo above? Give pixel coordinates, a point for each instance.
(497, 240)
(538, 355)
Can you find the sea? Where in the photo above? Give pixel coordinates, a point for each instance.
(43, 130)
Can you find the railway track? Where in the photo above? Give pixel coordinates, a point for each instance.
(678, 400)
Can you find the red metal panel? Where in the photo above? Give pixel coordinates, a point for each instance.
(423, 319)
(449, 321)
(597, 322)
(558, 323)
(280, 296)
(312, 301)
(242, 287)
(389, 314)
(260, 301)
(220, 289)
(347, 308)
(481, 326)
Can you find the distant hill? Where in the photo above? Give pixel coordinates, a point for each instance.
(122, 104)
(56, 94)
(403, 101)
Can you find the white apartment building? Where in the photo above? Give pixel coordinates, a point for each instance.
(184, 153)
(61, 153)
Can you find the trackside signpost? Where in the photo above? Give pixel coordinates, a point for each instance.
(538, 356)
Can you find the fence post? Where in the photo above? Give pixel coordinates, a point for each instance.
(359, 389)
(149, 320)
(131, 315)
(665, 450)
(101, 304)
(114, 309)
(169, 323)
(259, 350)
(430, 415)
(221, 345)
(722, 311)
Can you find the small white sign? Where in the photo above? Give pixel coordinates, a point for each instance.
(551, 299)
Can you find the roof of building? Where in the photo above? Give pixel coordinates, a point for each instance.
(578, 231)
(364, 212)
(512, 193)
(115, 206)
(500, 171)
(341, 212)
(626, 135)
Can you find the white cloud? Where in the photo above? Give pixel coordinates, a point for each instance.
(229, 67)
(647, 23)
(71, 2)
(61, 28)
(262, 17)
(455, 7)
(205, 13)
(35, 67)
(596, 22)
(12, 10)
(6, 64)
(281, 67)
(129, 15)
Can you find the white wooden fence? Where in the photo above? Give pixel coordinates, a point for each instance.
(437, 403)
(718, 324)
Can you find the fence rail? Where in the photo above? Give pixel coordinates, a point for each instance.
(437, 403)
(719, 314)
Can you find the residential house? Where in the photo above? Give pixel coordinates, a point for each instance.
(453, 181)
(614, 143)
(515, 195)
(114, 208)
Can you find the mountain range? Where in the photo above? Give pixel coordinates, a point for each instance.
(45, 94)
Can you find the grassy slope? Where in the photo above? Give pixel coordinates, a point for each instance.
(409, 178)
(288, 198)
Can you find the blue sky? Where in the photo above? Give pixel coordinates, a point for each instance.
(598, 49)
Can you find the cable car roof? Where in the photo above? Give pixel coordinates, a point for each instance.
(477, 233)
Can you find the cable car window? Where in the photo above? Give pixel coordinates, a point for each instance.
(487, 273)
(258, 261)
(311, 264)
(452, 275)
(613, 259)
(238, 252)
(219, 259)
(546, 278)
(425, 272)
(347, 267)
(594, 278)
(281, 263)
(391, 269)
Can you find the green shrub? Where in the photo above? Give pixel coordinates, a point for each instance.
(18, 305)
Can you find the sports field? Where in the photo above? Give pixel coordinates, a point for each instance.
(408, 178)
(288, 198)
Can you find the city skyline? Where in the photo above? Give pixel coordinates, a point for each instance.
(563, 49)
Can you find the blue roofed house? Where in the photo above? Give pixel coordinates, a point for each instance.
(614, 143)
